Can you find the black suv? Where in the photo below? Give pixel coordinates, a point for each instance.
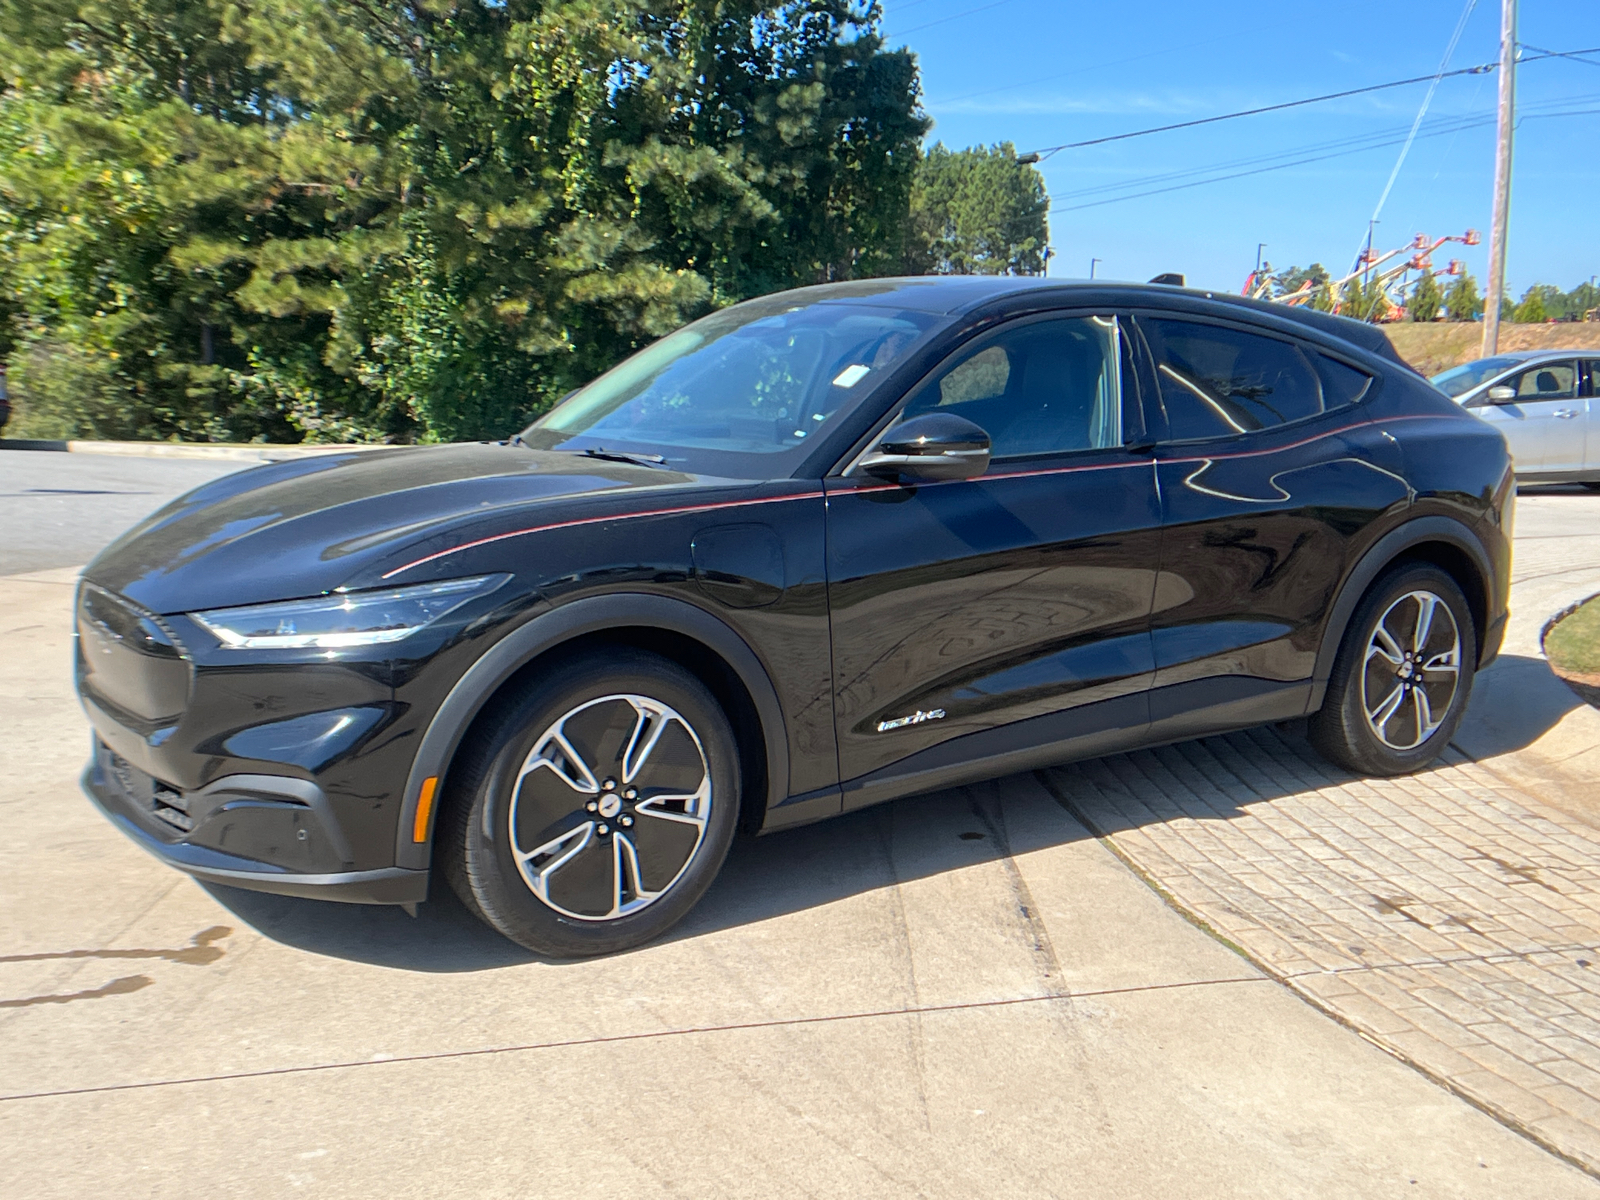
(813, 552)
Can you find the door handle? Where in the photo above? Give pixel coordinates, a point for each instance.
(1566, 414)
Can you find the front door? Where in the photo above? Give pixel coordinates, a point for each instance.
(1268, 468)
(978, 620)
(1543, 421)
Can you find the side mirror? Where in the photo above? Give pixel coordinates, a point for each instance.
(930, 447)
(1500, 393)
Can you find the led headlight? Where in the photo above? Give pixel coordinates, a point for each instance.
(344, 618)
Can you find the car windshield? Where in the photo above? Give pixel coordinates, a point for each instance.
(1458, 381)
(757, 379)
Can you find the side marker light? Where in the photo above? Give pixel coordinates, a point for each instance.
(419, 830)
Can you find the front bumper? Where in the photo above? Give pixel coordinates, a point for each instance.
(266, 814)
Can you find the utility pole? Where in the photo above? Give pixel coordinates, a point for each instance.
(1260, 246)
(1502, 178)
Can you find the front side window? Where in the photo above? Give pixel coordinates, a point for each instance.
(1041, 387)
(1548, 381)
(1215, 381)
(757, 379)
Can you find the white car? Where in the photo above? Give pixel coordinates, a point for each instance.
(1546, 403)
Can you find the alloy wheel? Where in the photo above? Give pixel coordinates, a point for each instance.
(610, 807)
(1411, 670)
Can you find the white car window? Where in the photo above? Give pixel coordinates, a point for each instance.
(1548, 381)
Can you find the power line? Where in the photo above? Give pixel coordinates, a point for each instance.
(951, 17)
(1427, 99)
(1572, 54)
(1481, 69)
(1478, 122)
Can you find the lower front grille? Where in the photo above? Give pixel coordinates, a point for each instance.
(160, 800)
(171, 807)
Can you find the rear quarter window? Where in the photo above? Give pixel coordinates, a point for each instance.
(1217, 381)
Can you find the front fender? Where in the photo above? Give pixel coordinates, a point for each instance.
(550, 630)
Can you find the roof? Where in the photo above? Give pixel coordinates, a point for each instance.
(951, 295)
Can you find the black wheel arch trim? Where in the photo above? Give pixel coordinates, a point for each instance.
(548, 631)
(1379, 557)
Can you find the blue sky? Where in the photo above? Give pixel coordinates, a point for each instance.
(1042, 72)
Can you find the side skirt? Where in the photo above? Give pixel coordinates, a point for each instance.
(1171, 714)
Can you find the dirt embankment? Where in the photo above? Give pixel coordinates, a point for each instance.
(1440, 345)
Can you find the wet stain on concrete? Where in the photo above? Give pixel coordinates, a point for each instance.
(200, 951)
(117, 987)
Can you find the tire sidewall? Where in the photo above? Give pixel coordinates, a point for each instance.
(1376, 756)
(498, 887)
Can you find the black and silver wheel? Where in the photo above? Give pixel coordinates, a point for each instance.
(1402, 678)
(592, 810)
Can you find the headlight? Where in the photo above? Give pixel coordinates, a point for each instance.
(343, 619)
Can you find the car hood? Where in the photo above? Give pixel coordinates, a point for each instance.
(312, 524)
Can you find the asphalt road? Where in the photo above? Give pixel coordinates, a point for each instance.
(962, 994)
(58, 510)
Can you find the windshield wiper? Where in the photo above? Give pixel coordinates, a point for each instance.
(627, 456)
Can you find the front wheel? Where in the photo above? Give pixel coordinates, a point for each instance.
(1402, 678)
(593, 808)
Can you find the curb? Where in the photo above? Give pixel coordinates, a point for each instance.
(237, 451)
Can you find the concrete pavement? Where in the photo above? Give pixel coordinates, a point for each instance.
(960, 994)
(61, 509)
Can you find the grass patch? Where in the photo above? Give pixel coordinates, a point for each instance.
(1573, 648)
(1574, 643)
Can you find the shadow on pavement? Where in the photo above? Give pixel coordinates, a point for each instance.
(908, 839)
(1514, 703)
(443, 936)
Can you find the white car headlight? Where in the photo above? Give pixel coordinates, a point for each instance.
(344, 618)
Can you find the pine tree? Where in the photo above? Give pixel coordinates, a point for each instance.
(329, 219)
(1461, 299)
(1426, 299)
(977, 212)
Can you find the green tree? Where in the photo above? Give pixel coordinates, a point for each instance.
(1293, 279)
(977, 212)
(1426, 299)
(1461, 299)
(342, 219)
(1358, 302)
(1531, 310)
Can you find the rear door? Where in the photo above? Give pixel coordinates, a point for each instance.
(1267, 469)
(980, 619)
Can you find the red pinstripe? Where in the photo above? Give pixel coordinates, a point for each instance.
(698, 508)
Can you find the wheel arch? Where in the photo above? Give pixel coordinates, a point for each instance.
(676, 629)
(1441, 541)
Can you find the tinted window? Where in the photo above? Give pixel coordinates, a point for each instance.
(1341, 383)
(1548, 381)
(1593, 368)
(1217, 381)
(1038, 388)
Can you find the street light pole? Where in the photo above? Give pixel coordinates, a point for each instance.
(1092, 263)
(1502, 178)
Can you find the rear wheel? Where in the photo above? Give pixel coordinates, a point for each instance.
(594, 807)
(1402, 678)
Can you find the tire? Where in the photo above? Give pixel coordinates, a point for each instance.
(1381, 715)
(593, 807)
